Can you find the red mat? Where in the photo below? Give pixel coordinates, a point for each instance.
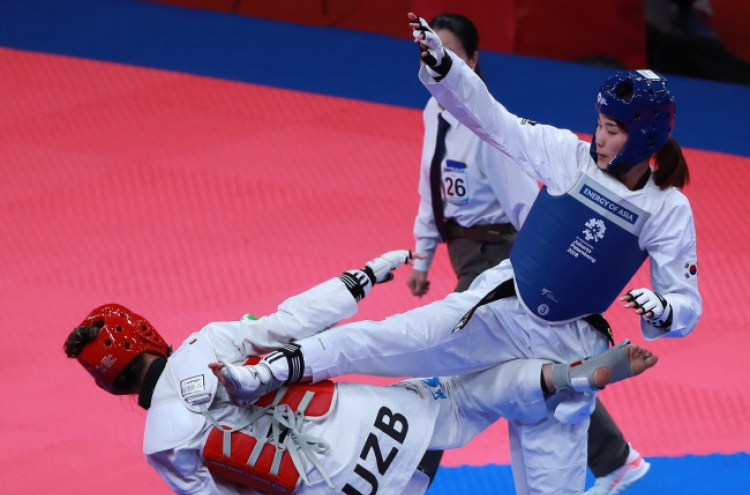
(192, 199)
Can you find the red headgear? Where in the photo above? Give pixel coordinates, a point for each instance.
(124, 336)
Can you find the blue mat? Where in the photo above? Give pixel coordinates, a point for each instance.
(689, 475)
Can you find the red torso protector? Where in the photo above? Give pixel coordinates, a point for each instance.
(259, 475)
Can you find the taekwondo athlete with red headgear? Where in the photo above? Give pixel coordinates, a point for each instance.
(306, 438)
(201, 443)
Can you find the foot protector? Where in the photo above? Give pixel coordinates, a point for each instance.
(247, 384)
(579, 376)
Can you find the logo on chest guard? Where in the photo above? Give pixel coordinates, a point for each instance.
(548, 294)
(595, 230)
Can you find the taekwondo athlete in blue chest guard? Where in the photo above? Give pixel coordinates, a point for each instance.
(582, 246)
(649, 218)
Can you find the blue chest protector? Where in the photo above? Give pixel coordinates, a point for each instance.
(577, 251)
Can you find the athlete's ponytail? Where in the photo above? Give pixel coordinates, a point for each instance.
(671, 167)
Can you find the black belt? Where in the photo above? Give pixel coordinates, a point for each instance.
(490, 233)
(508, 289)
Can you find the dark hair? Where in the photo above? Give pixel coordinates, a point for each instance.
(463, 29)
(81, 336)
(127, 381)
(671, 167)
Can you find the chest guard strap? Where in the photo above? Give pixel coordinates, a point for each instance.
(268, 458)
(577, 251)
(292, 395)
(508, 289)
(295, 397)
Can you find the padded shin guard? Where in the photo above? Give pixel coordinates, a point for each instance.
(579, 376)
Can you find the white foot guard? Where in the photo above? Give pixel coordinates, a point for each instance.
(246, 384)
(579, 376)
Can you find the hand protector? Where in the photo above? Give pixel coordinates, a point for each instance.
(247, 384)
(430, 43)
(652, 302)
(380, 269)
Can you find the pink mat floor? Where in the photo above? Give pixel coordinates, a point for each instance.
(192, 199)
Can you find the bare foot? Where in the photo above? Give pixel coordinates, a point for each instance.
(640, 360)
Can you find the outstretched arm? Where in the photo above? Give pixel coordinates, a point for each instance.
(547, 154)
(298, 317)
(320, 307)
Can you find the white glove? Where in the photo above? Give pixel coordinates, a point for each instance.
(377, 271)
(245, 384)
(381, 269)
(436, 59)
(647, 301)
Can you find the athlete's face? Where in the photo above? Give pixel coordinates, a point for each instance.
(610, 139)
(451, 42)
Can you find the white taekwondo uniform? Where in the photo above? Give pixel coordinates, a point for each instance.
(376, 435)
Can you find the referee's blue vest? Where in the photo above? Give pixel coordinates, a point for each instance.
(577, 251)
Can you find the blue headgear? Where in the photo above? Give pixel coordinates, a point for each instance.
(646, 110)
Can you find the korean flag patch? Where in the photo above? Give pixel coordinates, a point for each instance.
(691, 270)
